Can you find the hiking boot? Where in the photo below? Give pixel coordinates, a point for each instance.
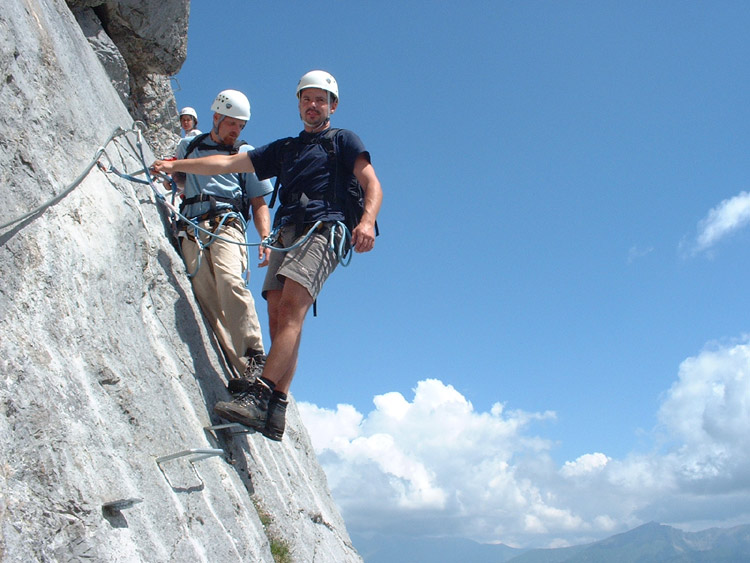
(255, 365)
(249, 408)
(238, 385)
(276, 420)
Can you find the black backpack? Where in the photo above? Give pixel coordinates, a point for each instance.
(241, 204)
(354, 204)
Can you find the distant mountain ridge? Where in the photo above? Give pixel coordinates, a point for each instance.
(655, 543)
(650, 543)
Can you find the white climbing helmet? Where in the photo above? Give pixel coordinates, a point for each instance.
(319, 79)
(189, 111)
(232, 104)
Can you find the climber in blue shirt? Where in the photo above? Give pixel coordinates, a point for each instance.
(217, 204)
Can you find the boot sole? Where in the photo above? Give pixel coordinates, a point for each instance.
(233, 416)
(275, 436)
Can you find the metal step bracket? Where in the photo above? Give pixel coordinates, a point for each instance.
(241, 428)
(198, 454)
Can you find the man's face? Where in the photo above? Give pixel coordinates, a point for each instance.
(314, 108)
(229, 128)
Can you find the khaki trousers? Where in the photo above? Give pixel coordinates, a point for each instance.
(221, 292)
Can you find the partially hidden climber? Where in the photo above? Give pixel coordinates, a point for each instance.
(313, 188)
(218, 204)
(189, 122)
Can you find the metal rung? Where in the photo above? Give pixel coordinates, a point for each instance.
(227, 425)
(240, 428)
(201, 453)
(115, 506)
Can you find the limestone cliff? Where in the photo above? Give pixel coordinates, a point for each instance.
(106, 366)
(141, 44)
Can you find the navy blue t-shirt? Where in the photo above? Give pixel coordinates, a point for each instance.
(308, 173)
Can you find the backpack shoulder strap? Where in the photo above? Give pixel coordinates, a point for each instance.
(241, 177)
(199, 143)
(351, 188)
(283, 151)
(239, 204)
(328, 140)
(194, 143)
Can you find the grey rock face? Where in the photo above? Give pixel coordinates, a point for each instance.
(141, 44)
(154, 105)
(152, 37)
(107, 367)
(107, 52)
(82, 4)
(151, 34)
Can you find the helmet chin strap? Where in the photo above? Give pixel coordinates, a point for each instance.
(215, 130)
(316, 128)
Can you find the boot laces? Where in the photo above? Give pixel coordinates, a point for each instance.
(256, 394)
(255, 365)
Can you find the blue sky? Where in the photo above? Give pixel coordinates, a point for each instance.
(562, 266)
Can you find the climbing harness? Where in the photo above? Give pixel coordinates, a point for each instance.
(342, 250)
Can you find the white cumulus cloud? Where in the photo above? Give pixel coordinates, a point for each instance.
(586, 464)
(433, 465)
(707, 411)
(726, 218)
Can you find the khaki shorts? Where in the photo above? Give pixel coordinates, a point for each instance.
(309, 264)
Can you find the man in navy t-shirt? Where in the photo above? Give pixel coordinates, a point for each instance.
(295, 277)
